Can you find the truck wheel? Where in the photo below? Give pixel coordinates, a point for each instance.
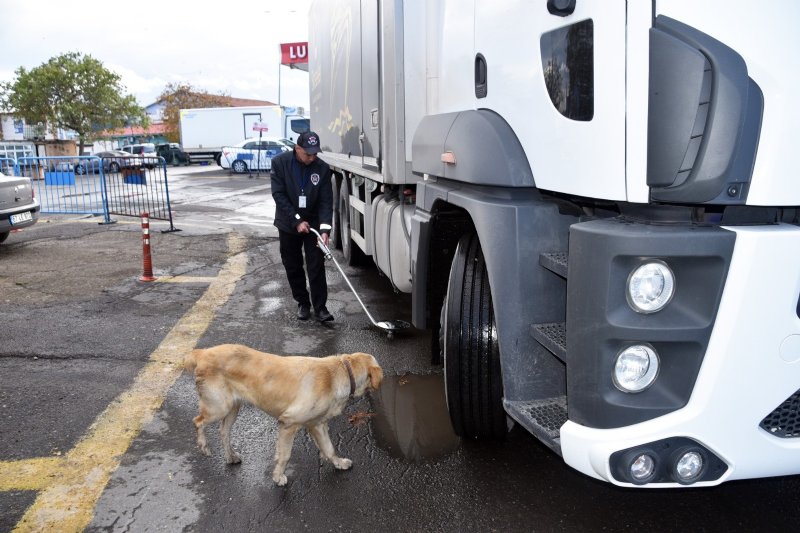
(239, 166)
(473, 379)
(353, 256)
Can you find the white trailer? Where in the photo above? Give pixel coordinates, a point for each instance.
(205, 131)
(594, 204)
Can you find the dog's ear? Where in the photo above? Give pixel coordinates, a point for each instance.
(375, 376)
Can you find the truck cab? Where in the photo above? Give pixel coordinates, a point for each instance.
(593, 205)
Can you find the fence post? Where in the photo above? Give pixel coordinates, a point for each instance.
(147, 274)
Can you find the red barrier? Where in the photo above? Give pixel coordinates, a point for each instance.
(147, 275)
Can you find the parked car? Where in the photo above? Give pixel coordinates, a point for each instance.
(19, 207)
(147, 151)
(110, 160)
(253, 154)
(172, 153)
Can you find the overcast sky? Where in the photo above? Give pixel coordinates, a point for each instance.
(229, 45)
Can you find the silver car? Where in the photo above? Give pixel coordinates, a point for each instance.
(18, 206)
(111, 160)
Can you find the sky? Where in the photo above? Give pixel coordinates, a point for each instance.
(231, 45)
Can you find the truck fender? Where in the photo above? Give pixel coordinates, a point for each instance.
(486, 149)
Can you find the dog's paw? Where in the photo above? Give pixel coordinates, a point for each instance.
(233, 459)
(280, 480)
(204, 449)
(341, 463)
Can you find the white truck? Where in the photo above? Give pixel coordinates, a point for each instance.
(594, 205)
(205, 131)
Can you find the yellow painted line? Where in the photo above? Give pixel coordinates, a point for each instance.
(29, 474)
(186, 279)
(71, 485)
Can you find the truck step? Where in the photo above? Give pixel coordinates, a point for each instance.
(543, 418)
(556, 262)
(553, 337)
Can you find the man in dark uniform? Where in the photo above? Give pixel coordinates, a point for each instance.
(301, 187)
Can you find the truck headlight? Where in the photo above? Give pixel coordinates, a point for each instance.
(643, 468)
(650, 287)
(689, 465)
(636, 368)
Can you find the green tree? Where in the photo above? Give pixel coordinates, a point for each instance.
(177, 96)
(72, 91)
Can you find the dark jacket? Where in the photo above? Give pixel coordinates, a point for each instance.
(288, 177)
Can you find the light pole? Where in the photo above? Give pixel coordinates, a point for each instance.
(283, 16)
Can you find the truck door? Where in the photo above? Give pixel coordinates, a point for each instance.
(370, 84)
(558, 78)
(248, 120)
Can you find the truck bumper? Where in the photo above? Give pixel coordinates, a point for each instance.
(743, 408)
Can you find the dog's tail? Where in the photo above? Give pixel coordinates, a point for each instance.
(190, 361)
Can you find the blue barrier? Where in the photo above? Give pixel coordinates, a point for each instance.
(7, 165)
(126, 186)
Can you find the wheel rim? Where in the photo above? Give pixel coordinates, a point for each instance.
(239, 166)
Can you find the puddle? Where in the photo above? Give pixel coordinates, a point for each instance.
(411, 421)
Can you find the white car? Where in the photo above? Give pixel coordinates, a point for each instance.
(253, 154)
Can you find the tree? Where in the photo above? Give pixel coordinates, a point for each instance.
(72, 91)
(177, 96)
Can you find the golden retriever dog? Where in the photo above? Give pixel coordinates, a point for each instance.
(298, 391)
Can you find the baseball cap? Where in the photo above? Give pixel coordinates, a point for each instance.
(309, 141)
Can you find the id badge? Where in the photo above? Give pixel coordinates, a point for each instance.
(302, 202)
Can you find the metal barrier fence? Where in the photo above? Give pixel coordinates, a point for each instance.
(7, 166)
(126, 186)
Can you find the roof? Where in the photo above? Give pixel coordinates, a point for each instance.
(152, 129)
(244, 102)
(232, 101)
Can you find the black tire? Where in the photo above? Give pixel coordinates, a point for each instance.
(473, 378)
(113, 167)
(353, 256)
(239, 166)
(4, 235)
(80, 170)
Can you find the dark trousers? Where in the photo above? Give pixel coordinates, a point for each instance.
(292, 247)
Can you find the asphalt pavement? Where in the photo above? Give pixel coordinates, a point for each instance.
(96, 411)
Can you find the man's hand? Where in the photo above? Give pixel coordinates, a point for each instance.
(324, 237)
(303, 227)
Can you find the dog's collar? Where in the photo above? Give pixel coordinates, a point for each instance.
(350, 375)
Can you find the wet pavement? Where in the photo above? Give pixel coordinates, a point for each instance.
(79, 332)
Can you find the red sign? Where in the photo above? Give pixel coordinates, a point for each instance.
(293, 53)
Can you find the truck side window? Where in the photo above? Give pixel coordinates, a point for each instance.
(568, 67)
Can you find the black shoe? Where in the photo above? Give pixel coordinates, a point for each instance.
(323, 315)
(303, 312)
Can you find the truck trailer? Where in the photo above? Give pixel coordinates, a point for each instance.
(594, 205)
(206, 131)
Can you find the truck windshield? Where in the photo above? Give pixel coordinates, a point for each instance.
(301, 125)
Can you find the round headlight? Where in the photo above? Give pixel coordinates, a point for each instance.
(689, 466)
(636, 368)
(650, 287)
(643, 468)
